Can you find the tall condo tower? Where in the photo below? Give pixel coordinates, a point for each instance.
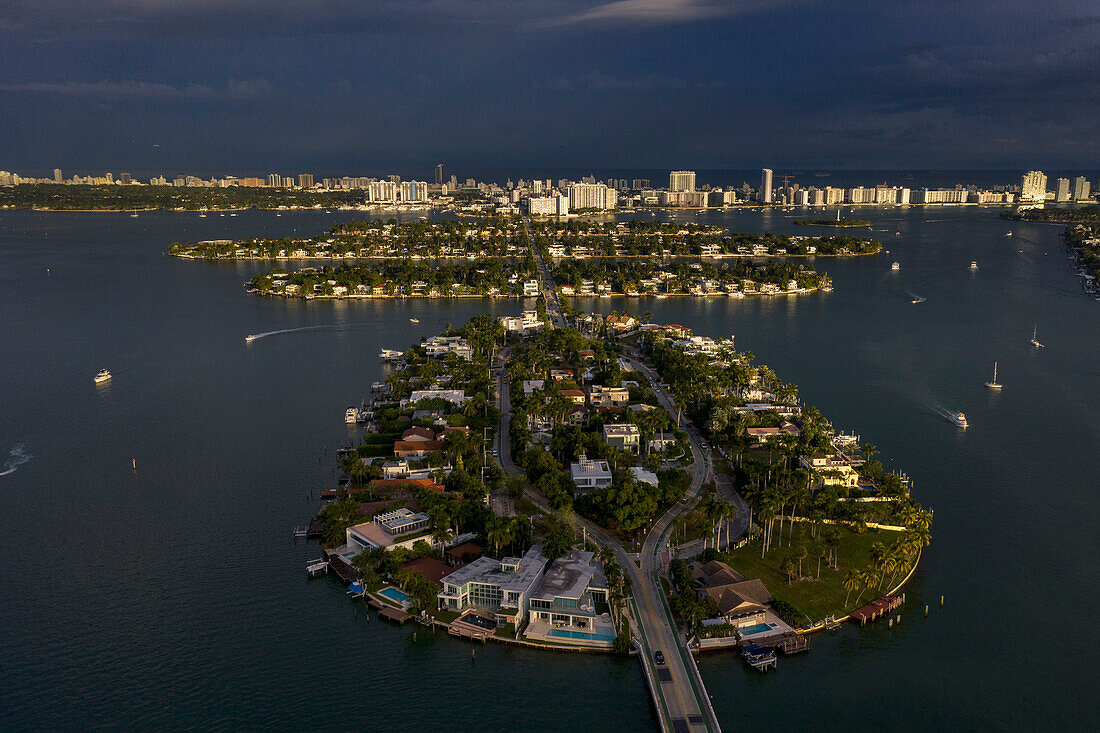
(766, 185)
(681, 181)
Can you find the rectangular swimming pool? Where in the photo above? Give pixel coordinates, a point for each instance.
(755, 629)
(568, 634)
(395, 594)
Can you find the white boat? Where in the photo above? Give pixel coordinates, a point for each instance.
(1035, 338)
(134, 215)
(1008, 234)
(959, 419)
(351, 416)
(993, 384)
(202, 215)
(414, 320)
(103, 376)
(895, 266)
(973, 264)
(250, 338)
(389, 354)
(918, 299)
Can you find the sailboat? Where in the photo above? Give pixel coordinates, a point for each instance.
(1035, 338)
(993, 383)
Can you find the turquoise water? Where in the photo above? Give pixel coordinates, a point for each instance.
(232, 441)
(394, 594)
(754, 629)
(566, 633)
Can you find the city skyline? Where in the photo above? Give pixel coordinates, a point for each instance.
(628, 84)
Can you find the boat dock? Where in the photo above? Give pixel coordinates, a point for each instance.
(876, 609)
(317, 567)
(393, 614)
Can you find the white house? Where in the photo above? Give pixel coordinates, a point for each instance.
(590, 474)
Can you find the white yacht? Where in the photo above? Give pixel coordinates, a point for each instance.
(390, 354)
(959, 419)
(1008, 234)
(414, 320)
(895, 266)
(351, 416)
(973, 264)
(993, 384)
(103, 376)
(250, 338)
(1035, 338)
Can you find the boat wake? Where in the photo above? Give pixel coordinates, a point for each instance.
(944, 412)
(16, 458)
(257, 336)
(914, 298)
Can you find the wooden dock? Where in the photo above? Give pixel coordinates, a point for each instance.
(393, 614)
(876, 609)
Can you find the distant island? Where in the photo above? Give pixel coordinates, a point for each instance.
(833, 222)
(507, 236)
(1082, 215)
(51, 197)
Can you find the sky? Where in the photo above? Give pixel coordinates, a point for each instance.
(368, 87)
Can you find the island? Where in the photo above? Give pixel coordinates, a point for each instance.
(1083, 245)
(508, 469)
(513, 236)
(838, 222)
(1055, 215)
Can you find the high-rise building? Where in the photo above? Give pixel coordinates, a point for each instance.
(1081, 188)
(1033, 186)
(681, 181)
(592, 196)
(125, 179)
(439, 174)
(639, 183)
(1061, 190)
(765, 194)
(57, 175)
(274, 180)
(305, 180)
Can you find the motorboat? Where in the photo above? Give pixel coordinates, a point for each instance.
(390, 354)
(250, 338)
(993, 384)
(103, 376)
(1035, 338)
(918, 299)
(1008, 234)
(973, 264)
(351, 416)
(895, 266)
(414, 320)
(959, 419)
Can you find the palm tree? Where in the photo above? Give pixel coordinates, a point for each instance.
(801, 554)
(788, 567)
(820, 551)
(498, 534)
(866, 580)
(851, 582)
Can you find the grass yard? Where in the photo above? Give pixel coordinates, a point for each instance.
(814, 598)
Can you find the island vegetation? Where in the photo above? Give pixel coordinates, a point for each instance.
(80, 197)
(678, 277)
(399, 278)
(1083, 241)
(831, 527)
(1055, 215)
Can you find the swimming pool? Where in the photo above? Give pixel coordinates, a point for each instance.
(395, 594)
(580, 635)
(755, 629)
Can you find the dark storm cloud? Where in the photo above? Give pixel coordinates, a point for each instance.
(708, 83)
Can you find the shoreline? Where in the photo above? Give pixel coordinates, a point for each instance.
(271, 294)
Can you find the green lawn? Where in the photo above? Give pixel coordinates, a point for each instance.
(816, 599)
